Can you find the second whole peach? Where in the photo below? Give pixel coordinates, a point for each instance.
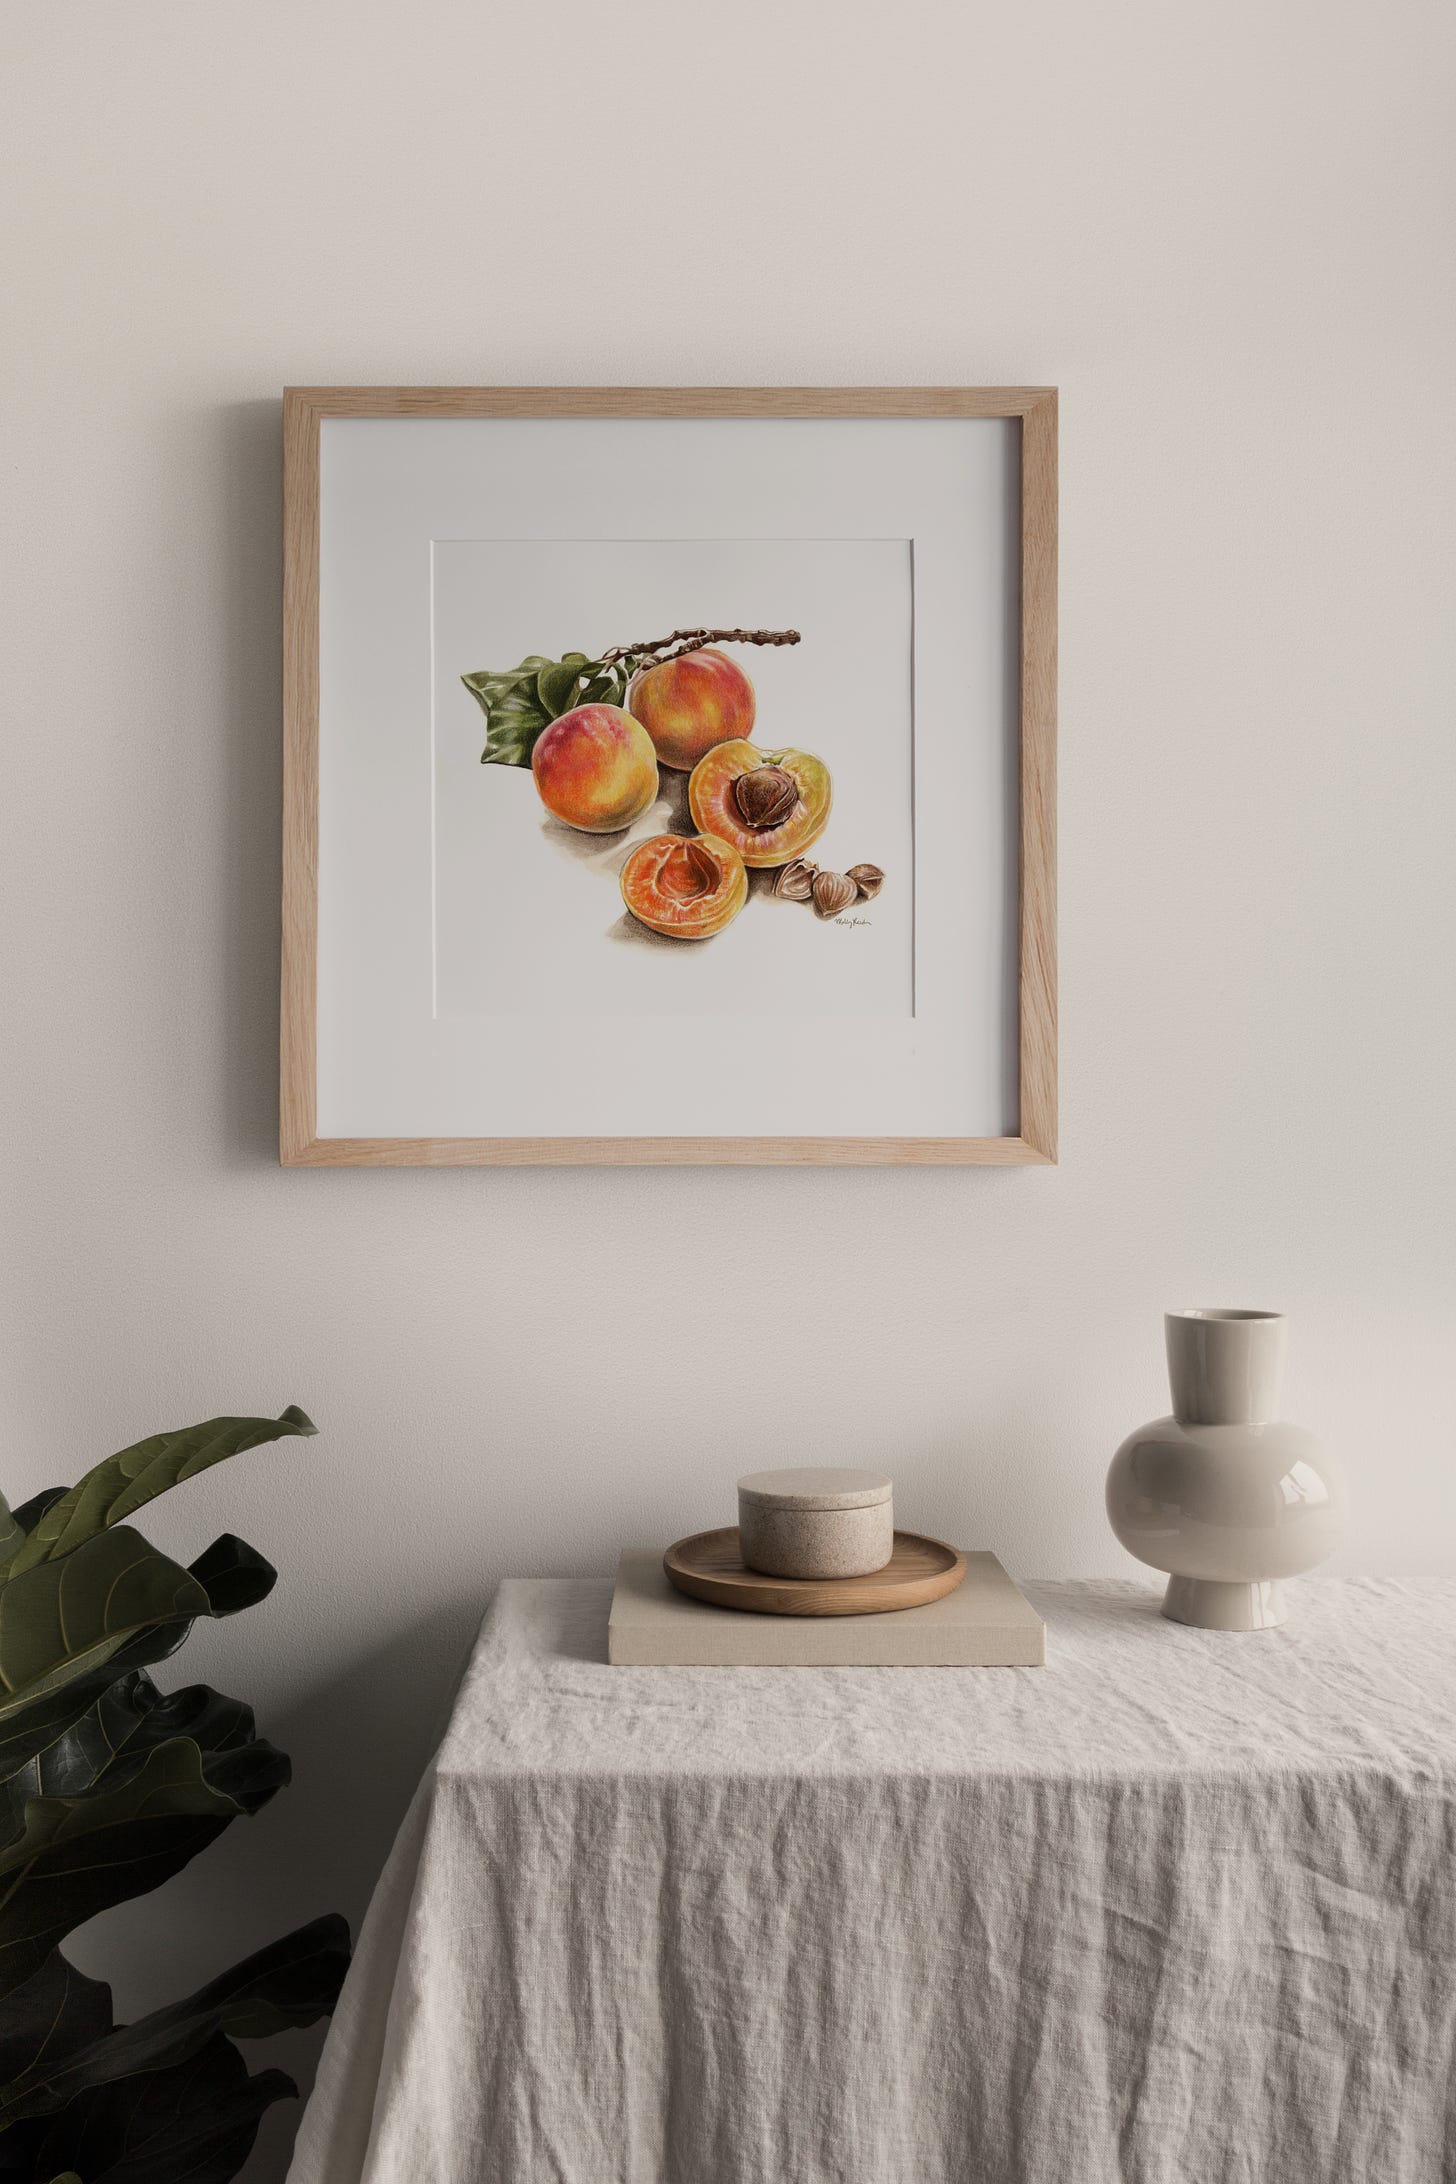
(689, 704)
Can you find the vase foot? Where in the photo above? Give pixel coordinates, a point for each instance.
(1210, 1604)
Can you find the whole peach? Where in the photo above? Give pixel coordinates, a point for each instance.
(595, 769)
(690, 704)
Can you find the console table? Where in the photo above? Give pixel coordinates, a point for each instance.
(1178, 1908)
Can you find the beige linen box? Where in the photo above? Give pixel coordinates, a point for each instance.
(985, 1623)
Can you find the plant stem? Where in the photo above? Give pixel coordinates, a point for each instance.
(660, 649)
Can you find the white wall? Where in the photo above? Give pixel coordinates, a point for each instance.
(1224, 231)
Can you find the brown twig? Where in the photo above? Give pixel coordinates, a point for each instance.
(661, 649)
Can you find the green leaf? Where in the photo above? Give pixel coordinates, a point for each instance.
(233, 1575)
(516, 724)
(63, 1618)
(70, 1761)
(77, 1856)
(114, 1490)
(519, 702)
(109, 1743)
(192, 2124)
(29, 1514)
(292, 1982)
(607, 689)
(31, 1727)
(490, 685)
(58, 2013)
(116, 1603)
(556, 688)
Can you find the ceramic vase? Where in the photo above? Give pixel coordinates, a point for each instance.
(1223, 1495)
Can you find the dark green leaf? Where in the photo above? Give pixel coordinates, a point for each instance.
(489, 690)
(193, 2124)
(32, 1728)
(292, 1982)
(27, 1736)
(58, 2013)
(72, 1760)
(233, 1575)
(63, 1618)
(490, 685)
(116, 1489)
(249, 1773)
(607, 689)
(110, 1741)
(29, 1514)
(515, 726)
(556, 688)
(77, 1856)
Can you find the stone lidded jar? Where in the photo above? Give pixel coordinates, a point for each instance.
(1223, 1495)
(816, 1521)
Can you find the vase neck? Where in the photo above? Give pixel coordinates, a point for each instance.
(1225, 1367)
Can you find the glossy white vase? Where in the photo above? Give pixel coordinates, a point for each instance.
(1223, 1495)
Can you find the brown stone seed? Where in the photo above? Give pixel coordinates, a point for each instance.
(796, 880)
(766, 796)
(868, 878)
(833, 892)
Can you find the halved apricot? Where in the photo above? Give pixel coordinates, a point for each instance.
(769, 804)
(688, 887)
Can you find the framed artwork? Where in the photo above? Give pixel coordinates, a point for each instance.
(669, 775)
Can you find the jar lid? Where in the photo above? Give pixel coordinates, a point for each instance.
(815, 1486)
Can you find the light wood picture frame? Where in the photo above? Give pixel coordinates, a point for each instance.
(1033, 412)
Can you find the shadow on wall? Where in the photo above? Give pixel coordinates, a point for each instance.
(359, 1746)
(360, 1743)
(252, 622)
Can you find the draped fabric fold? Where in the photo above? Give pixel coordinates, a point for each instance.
(1179, 1908)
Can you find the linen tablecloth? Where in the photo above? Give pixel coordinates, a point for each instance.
(1179, 1908)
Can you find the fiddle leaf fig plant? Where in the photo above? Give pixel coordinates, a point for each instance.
(113, 1491)
(108, 1786)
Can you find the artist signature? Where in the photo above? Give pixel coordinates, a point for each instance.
(847, 922)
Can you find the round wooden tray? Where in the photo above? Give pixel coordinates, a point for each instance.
(709, 1567)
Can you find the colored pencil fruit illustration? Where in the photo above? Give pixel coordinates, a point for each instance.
(594, 733)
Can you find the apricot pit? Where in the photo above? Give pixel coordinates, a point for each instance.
(769, 804)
